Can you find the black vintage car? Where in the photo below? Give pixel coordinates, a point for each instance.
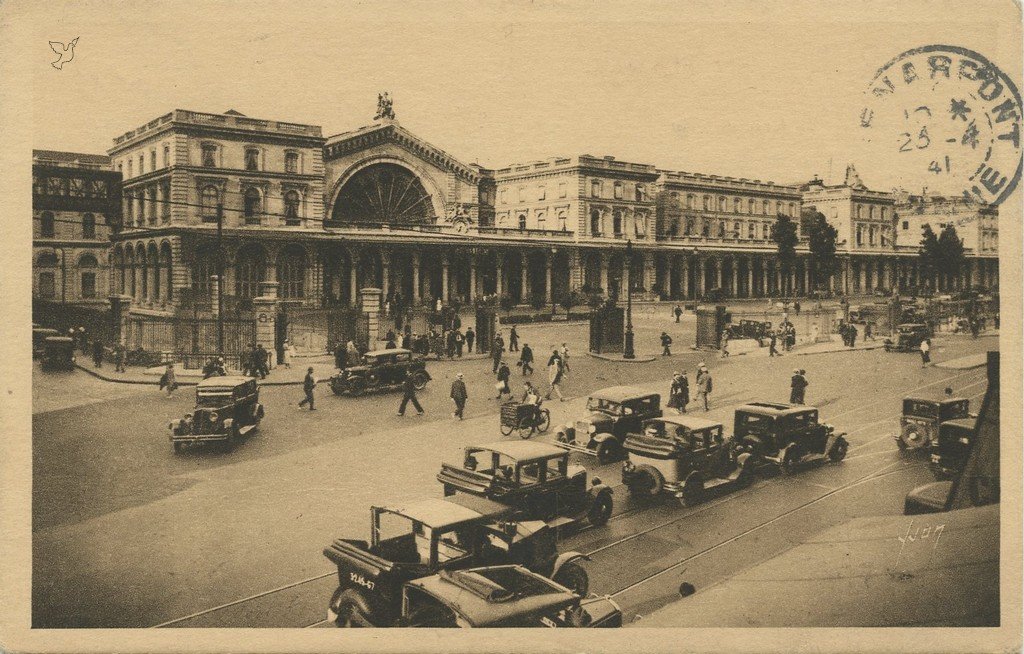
(685, 457)
(758, 330)
(58, 353)
(381, 369)
(533, 478)
(950, 450)
(908, 337)
(227, 408)
(427, 536)
(39, 336)
(923, 416)
(785, 435)
(613, 414)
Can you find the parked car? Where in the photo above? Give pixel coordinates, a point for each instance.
(533, 478)
(381, 369)
(922, 417)
(950, 450)
(39, 336)
(425, 537)
(613, 413)
(58, 353)
(227, 408)
(499, 596)
(755, 329)
(786, 435)
(908, 337)
(684, 457)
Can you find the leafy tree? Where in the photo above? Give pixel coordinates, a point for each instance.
(951, 254)
(929, 254)
(506, 302)
(571, 298)
(785, 238)
(822, 237)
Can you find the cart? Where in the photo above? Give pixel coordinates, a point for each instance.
(516, 416)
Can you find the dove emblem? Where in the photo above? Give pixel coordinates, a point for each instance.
(66, 52)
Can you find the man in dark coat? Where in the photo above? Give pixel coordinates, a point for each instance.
(513, 340)
(97, 353)
(797, 385)
(339, 355)
(666, 343)
(678, 312)
(450, 344)
(773, 344)
(119, 357)
(406, 341)
(459, 341)
(526, 359)
(497, 348)
(308, 384)
(261, 357)
(459, 395)
(679, 392)
(470, 337)
(409, 395)
(503, 374)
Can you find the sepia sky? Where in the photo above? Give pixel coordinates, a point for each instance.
(768, 90)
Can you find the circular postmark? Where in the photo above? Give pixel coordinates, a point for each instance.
(946, 118)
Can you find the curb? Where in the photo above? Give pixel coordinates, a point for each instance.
(844, 349)
(619, 359)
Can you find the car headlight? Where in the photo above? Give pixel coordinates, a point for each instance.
(214, 416)
(592, 428)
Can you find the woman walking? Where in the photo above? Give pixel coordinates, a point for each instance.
(926, 346)
(679, 393)
(168, 381)
(289, 352)
(555, 376)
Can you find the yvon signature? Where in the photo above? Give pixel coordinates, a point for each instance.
(929, 535)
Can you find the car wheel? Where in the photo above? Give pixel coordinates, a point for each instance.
(545, 421)
(789, 459)
(351, 609)
(600, 510)
(419, 380)
(912, 438)
(574, 577)
(838, 451)
(650, 481)
(607, 451)
(337, 388)
(693, 490)
(357, 387)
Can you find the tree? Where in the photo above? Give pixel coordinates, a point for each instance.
(929, 254)
(784, 235)
(569, 299)
(822, 237)
(951, 254)
(507, 303)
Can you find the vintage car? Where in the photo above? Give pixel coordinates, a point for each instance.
(381, 369)
(786, 435)
(227, 408)
(683, 456)
(950, 450)
(58, 353)
(908, 337)
(613, 413)
(533, 478)
(758, 330)
(922, 416)
(427, 536)
(39, 336)
(499, 596)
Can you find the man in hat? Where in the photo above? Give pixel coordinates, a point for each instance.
(703, 384)
(459, 395)
(679, 392)
(409, 395)
(308, 384)
(666, 343)
(797, 384)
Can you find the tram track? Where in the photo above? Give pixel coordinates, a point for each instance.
(646, 506)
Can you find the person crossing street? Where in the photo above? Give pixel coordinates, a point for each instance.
(526, 359)
(666, 343)
(459, 395)
(703, 384)
(308, 384)
(797, 385)
(513, 340)
(409, 395)
(555, 372)
(502, 386)
(497, 348)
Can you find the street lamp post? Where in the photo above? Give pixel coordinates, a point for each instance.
(220, 280)
(627, 350)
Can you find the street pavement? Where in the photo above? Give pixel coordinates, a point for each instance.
(127, 534)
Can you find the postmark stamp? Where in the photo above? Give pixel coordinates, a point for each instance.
(946, 118)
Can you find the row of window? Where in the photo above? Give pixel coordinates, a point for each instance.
(48, 229)
(251, 270)
(751, 206)
(74, 187)
(211, 157)
(252, 205)
(540, 221)
(144, 204)
(618, 226)
(876, 234)
(47, 285)
(752, 230)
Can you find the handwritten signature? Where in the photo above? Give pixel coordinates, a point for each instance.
(930, 533)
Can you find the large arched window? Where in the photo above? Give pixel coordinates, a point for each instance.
(46, 225)
(291, 207)
(87, 266)
(129, 266)
(204, 266)
(563, 220)
(88, 226)
(143, 268)
(154, 263)
(253, 206)
(721, 204)
(383, 193)
(167, 270)
(291, 272)
(211, 198)
(250, 271)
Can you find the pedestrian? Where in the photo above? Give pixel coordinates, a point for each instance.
(797, 384)
(796, 308)
(407, 341)
(460, 342)
(725, 344)
(869, 331)
(339, 356)
(513, 340)
(564, 352)
(666, 343)
(289, 351)
(555, 376)
(496, 351)
(926, 347)
(502, 386)
(438, 306)
(459, 395)
(450, 345)
(814, 333)
(245, 361)
(210, 369)
(168, 380)
(773, 343)
(470, 337)
(409, 395)
(526, 359)
(351, 354)
(704, 385)
(308, 384)
(853, 335)
(83, 341)
(119, 357)
(678, 311)
(389, 343)
(97, 353)
(531, 398)
(679, 393)
(500, 341)
(262, 361)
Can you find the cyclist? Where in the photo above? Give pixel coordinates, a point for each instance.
(531, 398)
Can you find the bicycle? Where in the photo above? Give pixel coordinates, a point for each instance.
(524, 419)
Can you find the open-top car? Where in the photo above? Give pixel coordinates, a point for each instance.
(427, 536)
(227, 408)
(922, 417)
(58, 353)
(786, 435)
(908, 337)
(381, 369)
(612, 414)
(499, 596)
(534, 478)
(683, 456)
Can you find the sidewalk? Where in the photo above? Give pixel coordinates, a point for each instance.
(965, 363)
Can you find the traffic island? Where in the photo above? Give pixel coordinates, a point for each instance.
(618, 358)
